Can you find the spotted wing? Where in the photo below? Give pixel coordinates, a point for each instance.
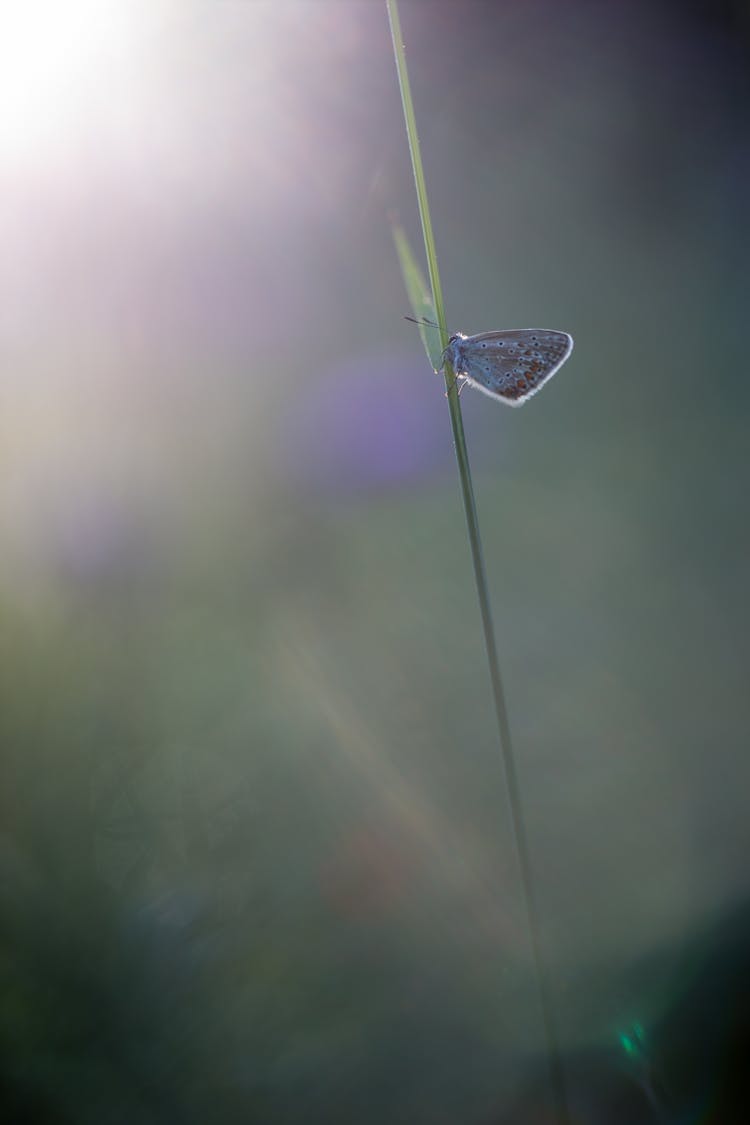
(512, 365)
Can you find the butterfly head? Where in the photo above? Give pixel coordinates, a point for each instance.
(452, 353)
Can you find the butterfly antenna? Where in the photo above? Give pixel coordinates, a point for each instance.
(422, 320)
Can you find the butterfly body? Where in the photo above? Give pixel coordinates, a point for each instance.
(512, 365)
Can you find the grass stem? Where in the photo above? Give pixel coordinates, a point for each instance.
(557, 1076)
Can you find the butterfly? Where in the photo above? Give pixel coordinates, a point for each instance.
(510, 366)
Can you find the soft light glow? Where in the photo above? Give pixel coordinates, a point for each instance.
(53, 57)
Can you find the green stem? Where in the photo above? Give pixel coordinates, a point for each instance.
(557, 1076)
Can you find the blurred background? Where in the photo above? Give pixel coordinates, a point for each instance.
(255, 854)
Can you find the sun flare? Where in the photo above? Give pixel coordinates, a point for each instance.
(53, 57)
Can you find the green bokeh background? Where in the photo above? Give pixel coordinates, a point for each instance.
(255, 861)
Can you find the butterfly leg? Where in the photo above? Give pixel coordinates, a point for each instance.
(460, 384)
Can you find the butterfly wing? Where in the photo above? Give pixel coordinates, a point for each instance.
(512, 365)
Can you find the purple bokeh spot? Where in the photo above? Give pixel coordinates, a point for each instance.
(374, 423)
(94, 539)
